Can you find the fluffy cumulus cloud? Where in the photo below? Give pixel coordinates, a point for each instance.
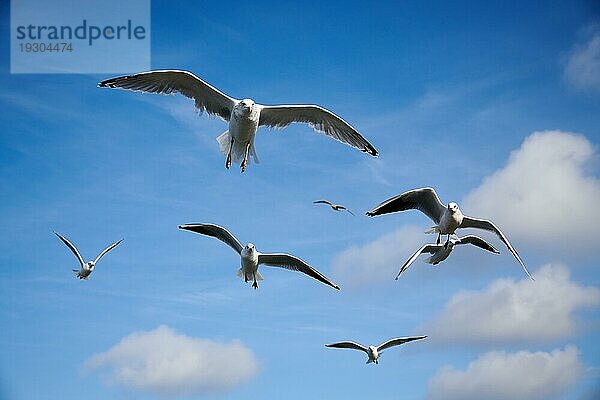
(499, 375)
(583, 66)
(544, 195)
(167, 363)
(509, 311)
(378, 260)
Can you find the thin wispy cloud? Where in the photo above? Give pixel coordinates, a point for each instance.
(582, 69)
(167, 363)
(509, 311)
(499, 375)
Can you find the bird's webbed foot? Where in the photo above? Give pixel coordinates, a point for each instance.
(255, 284)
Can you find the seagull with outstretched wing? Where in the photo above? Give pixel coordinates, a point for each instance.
(250, 258)
(243, 116)
(335, 207)
(373, 352)
(86, 268)
(439, 252)
(447, 218)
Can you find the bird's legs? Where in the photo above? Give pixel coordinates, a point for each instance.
(245, 162)
(438, 238)
(447, 240)
(228, 162)
(254, 284)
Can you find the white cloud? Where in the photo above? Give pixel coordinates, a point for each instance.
(167, 363)
(544, 194)
(583, 66)
(499, 375)
(509, 311)
(378, 260)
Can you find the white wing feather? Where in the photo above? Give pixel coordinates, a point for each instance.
(318, 118)
(206, 97)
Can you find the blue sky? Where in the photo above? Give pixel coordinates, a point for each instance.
(494, 105)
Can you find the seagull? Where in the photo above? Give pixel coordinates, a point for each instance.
(251, 258)
(86, 267)
(442, 251)
(374, 351)
(448, 218)
(243, 116)
(335, 207)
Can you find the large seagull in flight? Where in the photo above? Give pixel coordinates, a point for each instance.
(243, 116)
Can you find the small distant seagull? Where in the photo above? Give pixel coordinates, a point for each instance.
(251, 258)
(244, 116)
(86, 267)
(374, 351)
(335, 207)
(442, 251)
(448, 219)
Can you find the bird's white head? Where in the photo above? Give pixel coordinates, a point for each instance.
(90, 265)
(244, 107)
(452, 207)
(250, 247)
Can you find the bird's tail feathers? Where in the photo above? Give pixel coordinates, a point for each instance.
(224, 140)
(433, 229)
(429, 260)
(240, 274)
(237, 153)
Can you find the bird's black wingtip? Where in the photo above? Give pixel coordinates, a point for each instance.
(371, 151)
(370, 214)
(336, 287)
(109, 83)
